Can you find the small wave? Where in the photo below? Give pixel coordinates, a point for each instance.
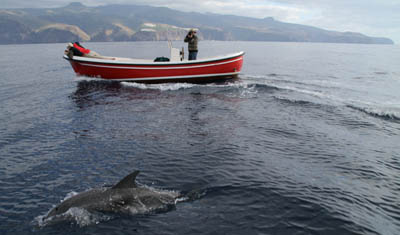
(287, 85)
(86, 79)
(76, 215)
(288, 79)
(162, 86)
(246, 89)
(179, 86)
(69, 195)
(266, 76)
(377, 112)
(79, 216)
(381, 73)
(313, 93)
(323, 98)
(296, 101)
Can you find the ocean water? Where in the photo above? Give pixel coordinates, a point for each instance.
(306, 141)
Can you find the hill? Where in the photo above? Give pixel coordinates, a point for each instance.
(77, 22)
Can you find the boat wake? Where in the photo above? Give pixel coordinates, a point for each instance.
(379, 112)
(287, 89)
(161, 87)
(322, 93)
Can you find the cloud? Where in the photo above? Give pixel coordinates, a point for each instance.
(372, 17)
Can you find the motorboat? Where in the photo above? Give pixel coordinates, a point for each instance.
(173, 69)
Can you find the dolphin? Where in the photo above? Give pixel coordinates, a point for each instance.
(125, 197)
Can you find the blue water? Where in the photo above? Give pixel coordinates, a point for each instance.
(307, 141)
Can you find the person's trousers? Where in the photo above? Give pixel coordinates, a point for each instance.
(192, 55)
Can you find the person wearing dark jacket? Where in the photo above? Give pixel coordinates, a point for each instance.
(192, 40)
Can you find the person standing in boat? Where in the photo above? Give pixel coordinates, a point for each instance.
(192, 41)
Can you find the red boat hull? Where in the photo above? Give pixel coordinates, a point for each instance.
(197, 71)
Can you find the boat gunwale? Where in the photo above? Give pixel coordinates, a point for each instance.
(80, 59)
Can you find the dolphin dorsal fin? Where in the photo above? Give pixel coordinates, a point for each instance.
(127, 182)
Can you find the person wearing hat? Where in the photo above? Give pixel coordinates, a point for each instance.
(192, 39)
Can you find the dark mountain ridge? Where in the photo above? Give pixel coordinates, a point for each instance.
(77, 22)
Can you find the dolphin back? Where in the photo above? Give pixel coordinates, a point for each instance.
(125, 197)
(127, 182)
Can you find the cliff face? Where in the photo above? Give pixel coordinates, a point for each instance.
(77, 22)
(12, 32)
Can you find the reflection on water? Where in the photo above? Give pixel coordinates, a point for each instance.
(89, 93)
(97, 92)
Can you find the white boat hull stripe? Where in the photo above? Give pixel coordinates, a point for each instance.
(173, 77)
(163, 67)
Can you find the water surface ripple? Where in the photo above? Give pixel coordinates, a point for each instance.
(305, 142)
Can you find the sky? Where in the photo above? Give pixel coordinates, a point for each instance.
(379, 18)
